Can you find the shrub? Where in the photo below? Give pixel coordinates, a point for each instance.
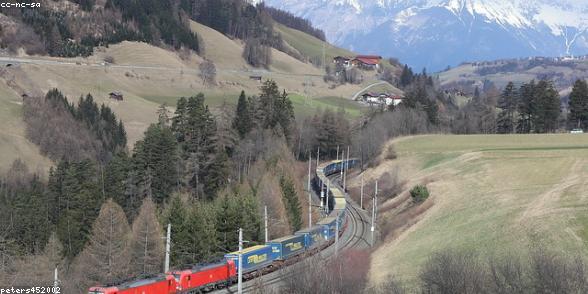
(419, 193)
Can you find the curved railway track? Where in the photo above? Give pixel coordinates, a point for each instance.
(355, 236)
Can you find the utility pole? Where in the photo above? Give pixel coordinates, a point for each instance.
(361, 193)
(337, 236)
(55, 278)
(265, 220)
(337, 152)
(309, 168)
(342, 165)
(167, 248)
(328, 189)
(240, 269)
(374, 204)
(309, 211)
(318, 156)
(346, 168)
(322, 194)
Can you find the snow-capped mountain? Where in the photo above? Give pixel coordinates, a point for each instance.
(438, 33)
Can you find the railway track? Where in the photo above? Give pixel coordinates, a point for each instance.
(355, 236)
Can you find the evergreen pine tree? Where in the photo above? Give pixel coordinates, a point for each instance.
(227, 223)
(547, 108)
(176, 215)
(406, 76)
(155, 159)
(243, 116)
(578, 105)
(507, 103)
(79, 204)
(526, 107)
(292, 204)
(115, 178)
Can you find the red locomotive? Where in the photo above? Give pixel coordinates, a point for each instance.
(206, 278)
(163, 284)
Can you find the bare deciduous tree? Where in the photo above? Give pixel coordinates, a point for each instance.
(106, 257)
(146, 243)
(207, 72)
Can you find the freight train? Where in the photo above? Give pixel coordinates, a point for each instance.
(256, 260)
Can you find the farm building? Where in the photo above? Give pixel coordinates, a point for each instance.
(116, 95)
(344, 61)
(381, 99)
(367, 61)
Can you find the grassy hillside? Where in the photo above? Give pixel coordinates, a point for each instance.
(149, 76)
(493, 194)
(310, 46)
(13, 143)
(563, 73)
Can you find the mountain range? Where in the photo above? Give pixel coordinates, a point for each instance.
(440, 33)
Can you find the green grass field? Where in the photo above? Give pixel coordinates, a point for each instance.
(493, 194)
(304, 107)
(308, 45)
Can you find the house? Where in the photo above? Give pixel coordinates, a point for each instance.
(255, 78)
(367, 61)
(381, 99)
(116, 95)
(342, 60)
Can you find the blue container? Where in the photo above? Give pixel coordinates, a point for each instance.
(287, 246)
(313, 236)
(254, 258)
(329, 226)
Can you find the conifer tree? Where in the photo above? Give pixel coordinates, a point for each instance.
(79, 204)
(406, 76)
(508, 104)
(526, 107)
(292, 204)
(116, 174)
(155, 159)
(227, 222)
(547, 108)
(147, 247)
(578, 105)
(243, 116)
(106, 257)
(176, 215)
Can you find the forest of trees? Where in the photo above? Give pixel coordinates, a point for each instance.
(66, 131)
(199, 172)
(295, 22)
(60, 33)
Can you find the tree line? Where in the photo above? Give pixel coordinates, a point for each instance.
(67, 131)
(295, 22)
(206, 175)
(59, 33)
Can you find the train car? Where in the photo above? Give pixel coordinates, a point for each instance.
(254, 258)
(163, 284)
(288, 246)
(313, 236)
(206, 278)
(329, 226)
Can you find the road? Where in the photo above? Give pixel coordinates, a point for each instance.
(356, 235)
(14, 61)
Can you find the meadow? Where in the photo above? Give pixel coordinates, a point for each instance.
(492, 194)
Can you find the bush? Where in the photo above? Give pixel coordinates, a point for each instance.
(419, 193)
